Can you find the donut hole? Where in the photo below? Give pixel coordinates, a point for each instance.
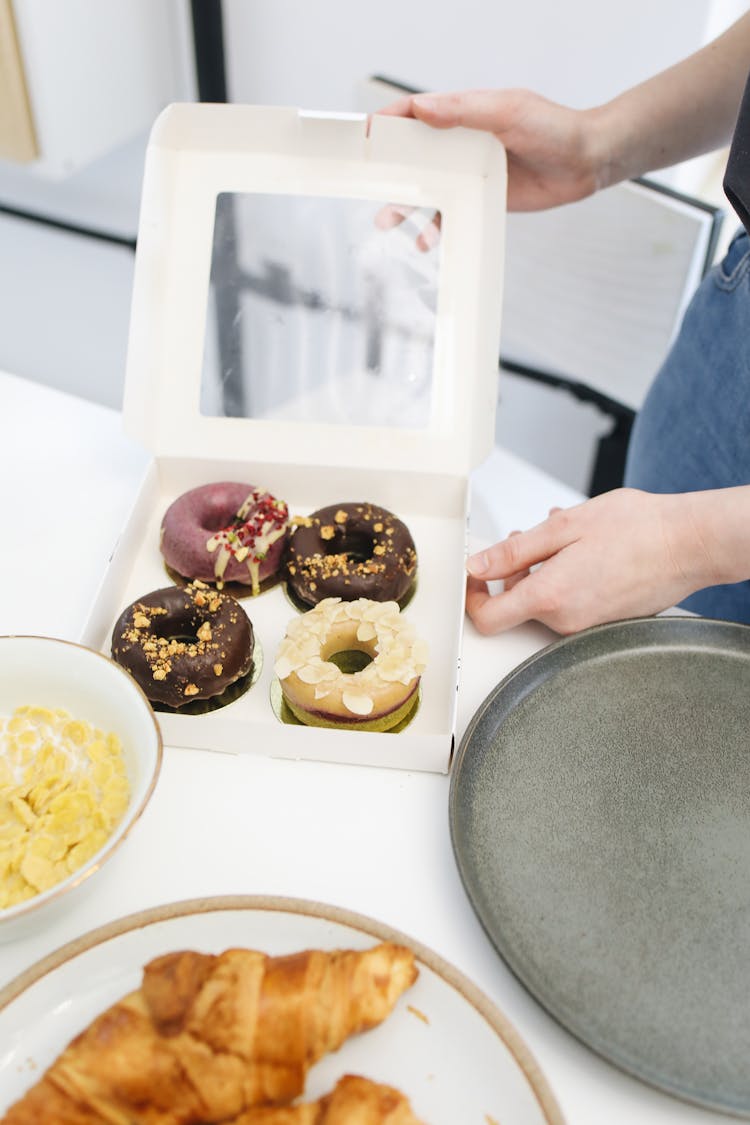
(181, 628)
(356, 546)
(350, 660)
(349, 654)
(180, 638)
(217, 519)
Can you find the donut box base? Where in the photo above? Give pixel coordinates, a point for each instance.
(435, 512)
(418, 466)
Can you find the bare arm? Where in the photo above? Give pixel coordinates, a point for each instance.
(681, 112)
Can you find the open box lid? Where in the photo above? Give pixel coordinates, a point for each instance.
(281, 314)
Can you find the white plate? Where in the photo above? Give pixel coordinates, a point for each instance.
(445, 1046)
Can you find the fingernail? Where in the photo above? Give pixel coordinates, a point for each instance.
(424, 101)
(478, 564)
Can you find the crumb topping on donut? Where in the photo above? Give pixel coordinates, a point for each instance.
(160, 652)
(399, 655)
(331, 566)
(260, 521)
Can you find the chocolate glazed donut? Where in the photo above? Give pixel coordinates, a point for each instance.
(350, 551)
(183, 644)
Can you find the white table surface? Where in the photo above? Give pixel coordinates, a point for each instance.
(224, 824)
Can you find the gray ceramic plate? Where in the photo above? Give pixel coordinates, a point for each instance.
(600, 817)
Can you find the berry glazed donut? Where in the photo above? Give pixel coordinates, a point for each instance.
(350, 551)
(184, 644)
(378, 696)
(225, 532)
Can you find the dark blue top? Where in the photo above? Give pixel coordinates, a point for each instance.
(737, 175)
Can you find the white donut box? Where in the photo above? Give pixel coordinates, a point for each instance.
(375, 443)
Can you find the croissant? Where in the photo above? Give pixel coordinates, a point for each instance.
(207, 1037)
(353, 1101)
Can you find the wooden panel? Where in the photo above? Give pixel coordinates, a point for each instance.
(17, 136)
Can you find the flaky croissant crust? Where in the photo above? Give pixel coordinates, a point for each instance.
(207, 1037)
(353, 1101)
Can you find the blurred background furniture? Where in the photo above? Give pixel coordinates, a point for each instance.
(595, 292)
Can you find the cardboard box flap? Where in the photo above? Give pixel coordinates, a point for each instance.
(311, 289)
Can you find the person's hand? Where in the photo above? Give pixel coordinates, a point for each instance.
(623, 554)
(553, 152)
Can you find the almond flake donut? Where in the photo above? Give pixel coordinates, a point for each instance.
(225, 532)
(378, 696)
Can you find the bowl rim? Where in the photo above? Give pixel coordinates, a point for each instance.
(76, 878)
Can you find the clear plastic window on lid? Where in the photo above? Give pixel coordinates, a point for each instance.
(321, 310)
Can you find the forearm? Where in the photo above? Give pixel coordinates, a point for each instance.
(684, 111)
(712, 536)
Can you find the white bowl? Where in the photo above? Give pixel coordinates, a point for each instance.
(45, 672)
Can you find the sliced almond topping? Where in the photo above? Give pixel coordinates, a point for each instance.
(400, 657)
(283, 667)
(396, 671)
(381, 611)
(356, 703)
(315, 673)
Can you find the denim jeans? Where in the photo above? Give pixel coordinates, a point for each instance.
(693, 430)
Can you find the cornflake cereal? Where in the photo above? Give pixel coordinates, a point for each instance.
(63, 790)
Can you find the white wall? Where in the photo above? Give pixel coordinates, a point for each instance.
(96, 70)
(579, 52)
(64, 302)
